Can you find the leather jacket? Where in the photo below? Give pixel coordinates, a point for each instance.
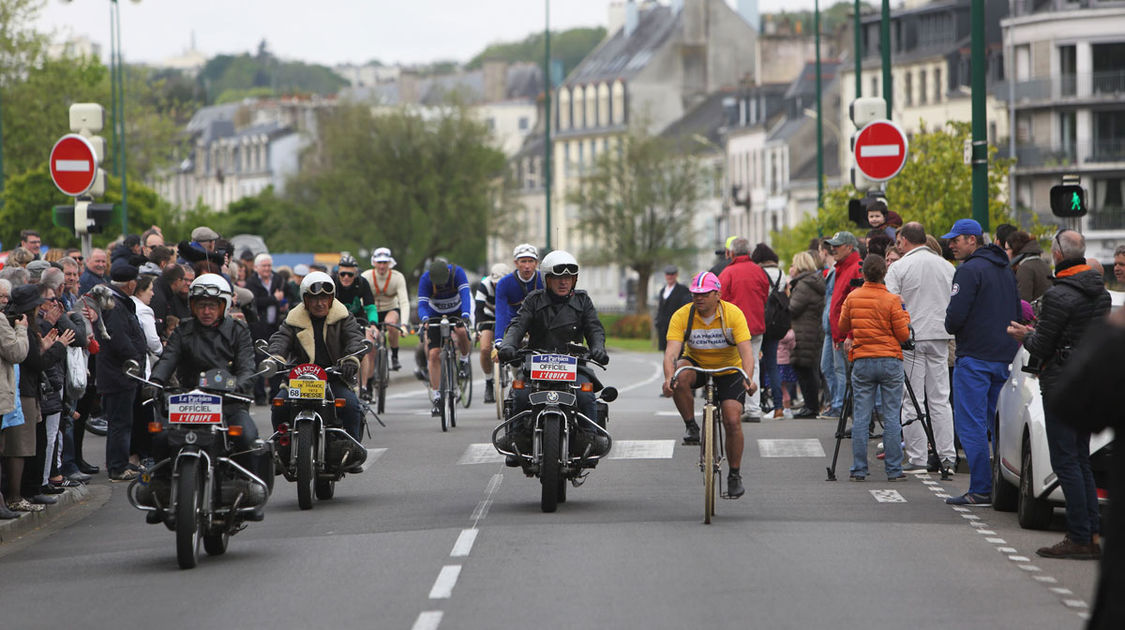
(294, 339)
(194, 348)
(552, 323)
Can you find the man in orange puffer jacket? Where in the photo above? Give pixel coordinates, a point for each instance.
(876, 325)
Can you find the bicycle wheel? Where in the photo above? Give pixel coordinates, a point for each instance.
(498, 385)
(708, 462)
(382, 377)
(465, 386)
(448, 379)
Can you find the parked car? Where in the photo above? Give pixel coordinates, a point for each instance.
(1022, 478)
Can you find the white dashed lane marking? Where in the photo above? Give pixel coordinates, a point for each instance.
(464, 543)
(888, 496)
(790, 448)
(428, 620)
(446, 580)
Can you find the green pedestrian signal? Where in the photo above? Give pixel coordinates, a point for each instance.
(1068, 201)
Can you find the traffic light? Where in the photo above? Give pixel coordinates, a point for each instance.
(87, 120)
(863, 111)
(1068, 201)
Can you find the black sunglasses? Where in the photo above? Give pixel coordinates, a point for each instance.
(347, 274)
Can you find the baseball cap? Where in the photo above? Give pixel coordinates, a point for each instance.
(843, 238)
(964, 227)
(704, 282)
(204, 233)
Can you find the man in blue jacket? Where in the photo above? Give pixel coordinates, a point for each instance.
(984, 298)
(514, 287)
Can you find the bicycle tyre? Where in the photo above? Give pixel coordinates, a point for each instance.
(444, 389)
(549, 475)
(708, 463)
(498, 393)
(382, 370)
(465, 386)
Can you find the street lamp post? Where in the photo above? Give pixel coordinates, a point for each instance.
(117, 84)
(547, 111)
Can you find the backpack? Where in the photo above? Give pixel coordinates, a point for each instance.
(778, 320)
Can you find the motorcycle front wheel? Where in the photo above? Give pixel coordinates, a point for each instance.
(549, 474)
(305, 472)
(189, 513)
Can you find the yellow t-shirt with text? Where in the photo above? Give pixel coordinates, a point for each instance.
(712, 345)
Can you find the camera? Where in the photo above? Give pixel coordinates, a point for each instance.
(1033, 366)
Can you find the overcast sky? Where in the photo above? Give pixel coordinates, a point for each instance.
(328, 31)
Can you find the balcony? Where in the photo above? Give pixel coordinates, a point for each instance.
(1093, 155)
(1108, 218)
(1068, 89)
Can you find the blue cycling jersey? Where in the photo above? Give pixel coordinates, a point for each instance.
(510, 291)
(451, 299)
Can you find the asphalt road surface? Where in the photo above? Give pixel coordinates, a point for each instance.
(439, 534)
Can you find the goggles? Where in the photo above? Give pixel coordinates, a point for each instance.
(321, 288)
(205, 290)
(566, 269)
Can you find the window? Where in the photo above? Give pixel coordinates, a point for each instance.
(923, 97)
(939, 90)
(523, 123)
(908, 89)
(1068, 68)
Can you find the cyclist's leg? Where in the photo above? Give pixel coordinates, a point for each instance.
(433, 356)
(681, 392)
(731, 396)
(367, 363)
(486, 353)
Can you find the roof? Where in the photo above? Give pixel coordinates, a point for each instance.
(831, 162)
(523, 81)
(805, 83)
(622, 57)
(203, 117)
(709, 119)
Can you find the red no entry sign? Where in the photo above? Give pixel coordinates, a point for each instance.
(880, 150)
(74, 167)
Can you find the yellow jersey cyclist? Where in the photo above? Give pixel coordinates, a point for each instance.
(715, 337)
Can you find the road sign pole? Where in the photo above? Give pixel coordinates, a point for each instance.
(980, 140)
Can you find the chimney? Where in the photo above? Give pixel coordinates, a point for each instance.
(616, 18)
(748, 9)
(630, 17)
(495, 81)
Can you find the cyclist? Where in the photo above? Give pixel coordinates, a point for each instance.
(514, 287)
(320, 330)
(392, 300)
(211, 340)
(355, 294)
(554, 318)
(444, 290)
(485, 297)
(716, 336)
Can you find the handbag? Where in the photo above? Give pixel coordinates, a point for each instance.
(14, 418)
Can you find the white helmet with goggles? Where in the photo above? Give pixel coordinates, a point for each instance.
(559, 263)
(211, 285)
(317, 283)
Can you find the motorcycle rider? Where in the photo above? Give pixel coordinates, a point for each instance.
(320, 330)
(555, 317)
(212, 340)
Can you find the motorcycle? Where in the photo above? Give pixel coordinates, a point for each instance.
(199, 492)
(312, 448)
(555, 444)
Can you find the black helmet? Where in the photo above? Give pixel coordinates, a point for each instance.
(439, 271)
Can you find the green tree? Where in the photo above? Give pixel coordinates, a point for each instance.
(640, 201)
(569, 46)
(231, 76)
(934, 188)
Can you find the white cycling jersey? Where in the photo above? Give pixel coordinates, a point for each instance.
(389, 291)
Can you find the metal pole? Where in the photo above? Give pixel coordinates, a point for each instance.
(819, 124)
(120, 121)
(547, 126)
(1, 150)
(885, 46)
(1010, 57)
(858, 53)
(980, 142)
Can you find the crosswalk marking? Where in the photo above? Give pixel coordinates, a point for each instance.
(888, 496)
(484, 453)
(790, 448)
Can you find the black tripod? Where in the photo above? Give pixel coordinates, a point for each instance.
(923, 417)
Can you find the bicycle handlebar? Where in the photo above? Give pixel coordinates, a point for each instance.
(729, 368)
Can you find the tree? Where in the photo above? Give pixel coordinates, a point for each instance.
(934, 188)
(569, 46)
(640, 201)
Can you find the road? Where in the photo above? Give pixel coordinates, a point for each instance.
(439, 534)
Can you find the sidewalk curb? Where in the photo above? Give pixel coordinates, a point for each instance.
(12, 530)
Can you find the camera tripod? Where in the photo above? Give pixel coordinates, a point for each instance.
(920, 416)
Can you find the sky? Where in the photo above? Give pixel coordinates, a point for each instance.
(327, 31)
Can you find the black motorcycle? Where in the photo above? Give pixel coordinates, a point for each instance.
(199, 492)
(311, 447)
(552, 439)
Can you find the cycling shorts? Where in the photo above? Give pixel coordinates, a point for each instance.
(727, 386)
(383, 315)
(433, 333)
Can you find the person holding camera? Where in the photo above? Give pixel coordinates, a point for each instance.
(876, 325)
(1077, 298)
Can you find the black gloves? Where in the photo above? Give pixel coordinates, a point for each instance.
(598, 355)
(349, 369)
(507, 353)
(148, 392)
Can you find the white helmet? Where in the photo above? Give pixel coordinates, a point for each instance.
(499, 270)
(211, 285)
(559, 263)
(525, 250)
(382, 254)
(317, 283)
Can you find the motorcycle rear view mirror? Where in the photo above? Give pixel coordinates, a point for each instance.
(609, 394)
(131, 368)
(262, 345)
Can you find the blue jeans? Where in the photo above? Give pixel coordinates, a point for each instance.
(771, 376)
(118, 409)
(1070, 459)
(978, 384)
(835, 372)
(868, 377)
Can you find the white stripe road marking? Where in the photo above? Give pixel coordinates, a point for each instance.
(428, 620)
(986, 532)
(1061, 591)
(657, 374)
(1046, 579)
(1074, 603)
(879, 150)
(481, 510)
(72, 166)
(1019, 558)
(484, 453)
(997, 541)
(888, 496)
(1031, 568)
(790, 448)
(446, 580)
(464, 543)
(1006, 549)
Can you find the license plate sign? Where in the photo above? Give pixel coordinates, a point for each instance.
(195, 407)
(306, 388)
(554, 367)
